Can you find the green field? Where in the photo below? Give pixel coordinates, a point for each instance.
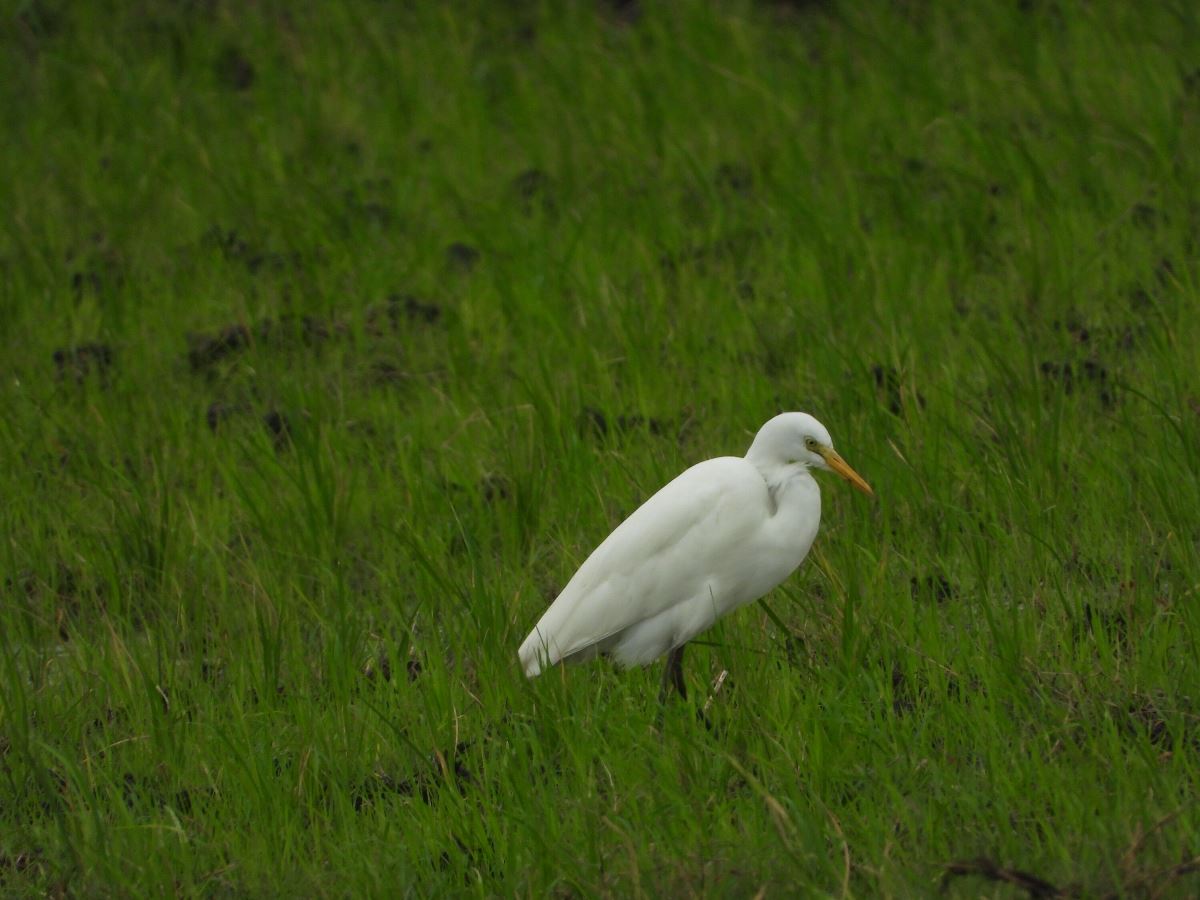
(334, 337)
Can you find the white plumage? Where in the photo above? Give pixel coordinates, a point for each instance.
(723, 533)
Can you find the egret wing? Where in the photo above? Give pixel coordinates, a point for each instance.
(663, 554)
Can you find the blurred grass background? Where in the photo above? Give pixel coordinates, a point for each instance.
(336, 336)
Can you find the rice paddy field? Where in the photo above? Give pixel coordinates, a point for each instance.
(333, 337)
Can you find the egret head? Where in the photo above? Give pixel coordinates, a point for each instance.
(797, 439)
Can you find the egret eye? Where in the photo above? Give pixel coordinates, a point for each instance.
(810, 443)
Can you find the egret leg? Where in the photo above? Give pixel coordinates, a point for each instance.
(672, 676)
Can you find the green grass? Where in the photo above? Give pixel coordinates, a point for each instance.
(256, 660)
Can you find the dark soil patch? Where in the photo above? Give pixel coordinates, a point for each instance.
(212, 671)
(234, 70)
(935, 586)
(989, 870)
(890, 390)
(1191, 83)
(1136, 881)
(735, 247)
(1118, 338)
(398, 310)
(1145, 717)
(494, 488)
(594, 422)
(96, 264)
(310, 331)
(624, 12)
(83, 360)
(533, 189)
(1146, 216)
(85, 281)
(802, 6)
(386, 372)
(19, 862)
(887, 385)
(39, 21)
(143, 792)
(1111, 622)
(1089, 371)
(904, 696)
(219, 413)
(1164, 271)
(110, 717)
(424, 783)
(462, 257)
(379, 668)
(1075, 328)
(234, 248)
(734, 178)
(205, 350)
(279, 427)
(377, 213)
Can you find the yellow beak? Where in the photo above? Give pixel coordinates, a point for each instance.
(840, 466)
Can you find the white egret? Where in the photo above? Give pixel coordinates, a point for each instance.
(723, 533)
